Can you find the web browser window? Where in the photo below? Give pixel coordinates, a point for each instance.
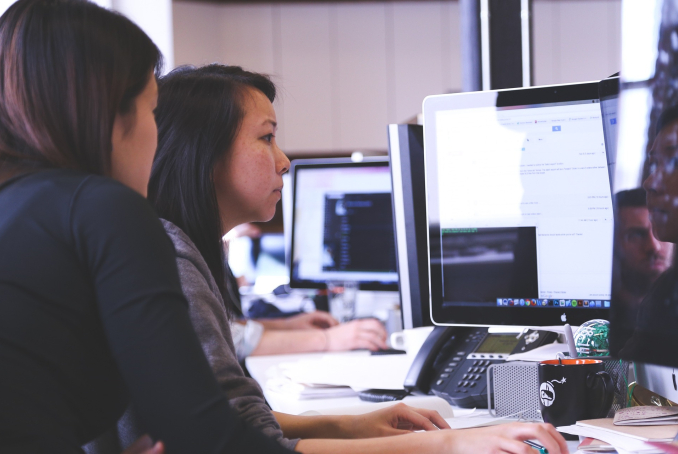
(525, 208)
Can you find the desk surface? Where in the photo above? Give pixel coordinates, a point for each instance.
(261, 368)
(264, 367)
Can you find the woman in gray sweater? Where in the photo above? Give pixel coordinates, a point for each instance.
(218, 166)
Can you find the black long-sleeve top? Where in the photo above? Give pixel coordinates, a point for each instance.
(92, 314)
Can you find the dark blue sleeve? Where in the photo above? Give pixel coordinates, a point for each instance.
(145, 318)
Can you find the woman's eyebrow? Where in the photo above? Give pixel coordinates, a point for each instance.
(275, 125)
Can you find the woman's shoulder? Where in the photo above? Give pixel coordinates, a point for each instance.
(63, 182)
(75, 188)
(188, 256)
(74, 197)
(184, 246)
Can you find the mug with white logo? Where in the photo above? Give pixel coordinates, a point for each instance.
(572, 390)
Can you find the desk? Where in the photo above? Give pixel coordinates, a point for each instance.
(264, 367)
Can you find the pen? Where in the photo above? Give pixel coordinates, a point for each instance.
(537, 446)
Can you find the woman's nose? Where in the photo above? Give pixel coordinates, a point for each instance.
(283, 162)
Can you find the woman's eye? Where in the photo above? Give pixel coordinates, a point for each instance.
(672, 165)
(653, 167)
(268, 138)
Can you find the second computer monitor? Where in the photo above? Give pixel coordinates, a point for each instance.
(519, 206)
(342, 226)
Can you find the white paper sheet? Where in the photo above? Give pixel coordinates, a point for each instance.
(623, 444)
(542, 353)
(357, 371)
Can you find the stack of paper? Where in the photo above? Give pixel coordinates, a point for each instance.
(646, 416)
(592, 445)
(625, 438)
(307, 391)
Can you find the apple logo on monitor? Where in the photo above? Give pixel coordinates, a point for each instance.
(563, 318)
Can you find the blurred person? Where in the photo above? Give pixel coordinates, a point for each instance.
(658, 314)
(642, 258)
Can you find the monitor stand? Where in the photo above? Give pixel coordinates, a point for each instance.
(659, 379)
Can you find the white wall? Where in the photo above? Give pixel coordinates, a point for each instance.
(575, 40)
(346, 70)
(155, 18)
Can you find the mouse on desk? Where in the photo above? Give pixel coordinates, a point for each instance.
(383, 395)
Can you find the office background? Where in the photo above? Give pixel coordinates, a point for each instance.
(347, 69)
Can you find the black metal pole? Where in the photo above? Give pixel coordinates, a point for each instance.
(471, 67)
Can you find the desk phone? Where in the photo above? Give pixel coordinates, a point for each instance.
(452, 363)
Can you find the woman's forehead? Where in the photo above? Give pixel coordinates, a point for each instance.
(259, 110)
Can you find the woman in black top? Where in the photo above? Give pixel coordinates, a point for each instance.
(91, 309)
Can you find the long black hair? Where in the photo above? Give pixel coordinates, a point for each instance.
(67, 68)
(199, 114)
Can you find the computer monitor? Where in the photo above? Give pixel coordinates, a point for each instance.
(406, 152)
(342, 226)
(519, 206)
(644, 323)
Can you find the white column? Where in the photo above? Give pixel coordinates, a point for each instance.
(4, 4)
(155, 18)
(104, 3)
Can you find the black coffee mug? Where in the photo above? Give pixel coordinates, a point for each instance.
(572, 390)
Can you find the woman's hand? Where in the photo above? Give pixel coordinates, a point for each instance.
(397, 419)
(367, 333)
(144, 445)
(507, 438)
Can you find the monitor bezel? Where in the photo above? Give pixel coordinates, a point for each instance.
(300, 164)
(493, 315)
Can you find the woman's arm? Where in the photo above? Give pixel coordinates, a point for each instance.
(368, 333)
(396, 419)
(507, 438)
(143, 313)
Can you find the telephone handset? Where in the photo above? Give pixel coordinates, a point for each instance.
(452, 363)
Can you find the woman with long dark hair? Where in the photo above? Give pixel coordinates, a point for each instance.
(218, 166)
(91, 308)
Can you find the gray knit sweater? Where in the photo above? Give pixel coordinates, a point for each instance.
(210, 320)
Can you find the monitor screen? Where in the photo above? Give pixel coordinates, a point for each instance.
(644, 319)
(519, 204)
(342, 224)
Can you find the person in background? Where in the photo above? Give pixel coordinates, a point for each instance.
(653, 330)
(92, 315)
(302, 333)
(642, 258)
(218, 166)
